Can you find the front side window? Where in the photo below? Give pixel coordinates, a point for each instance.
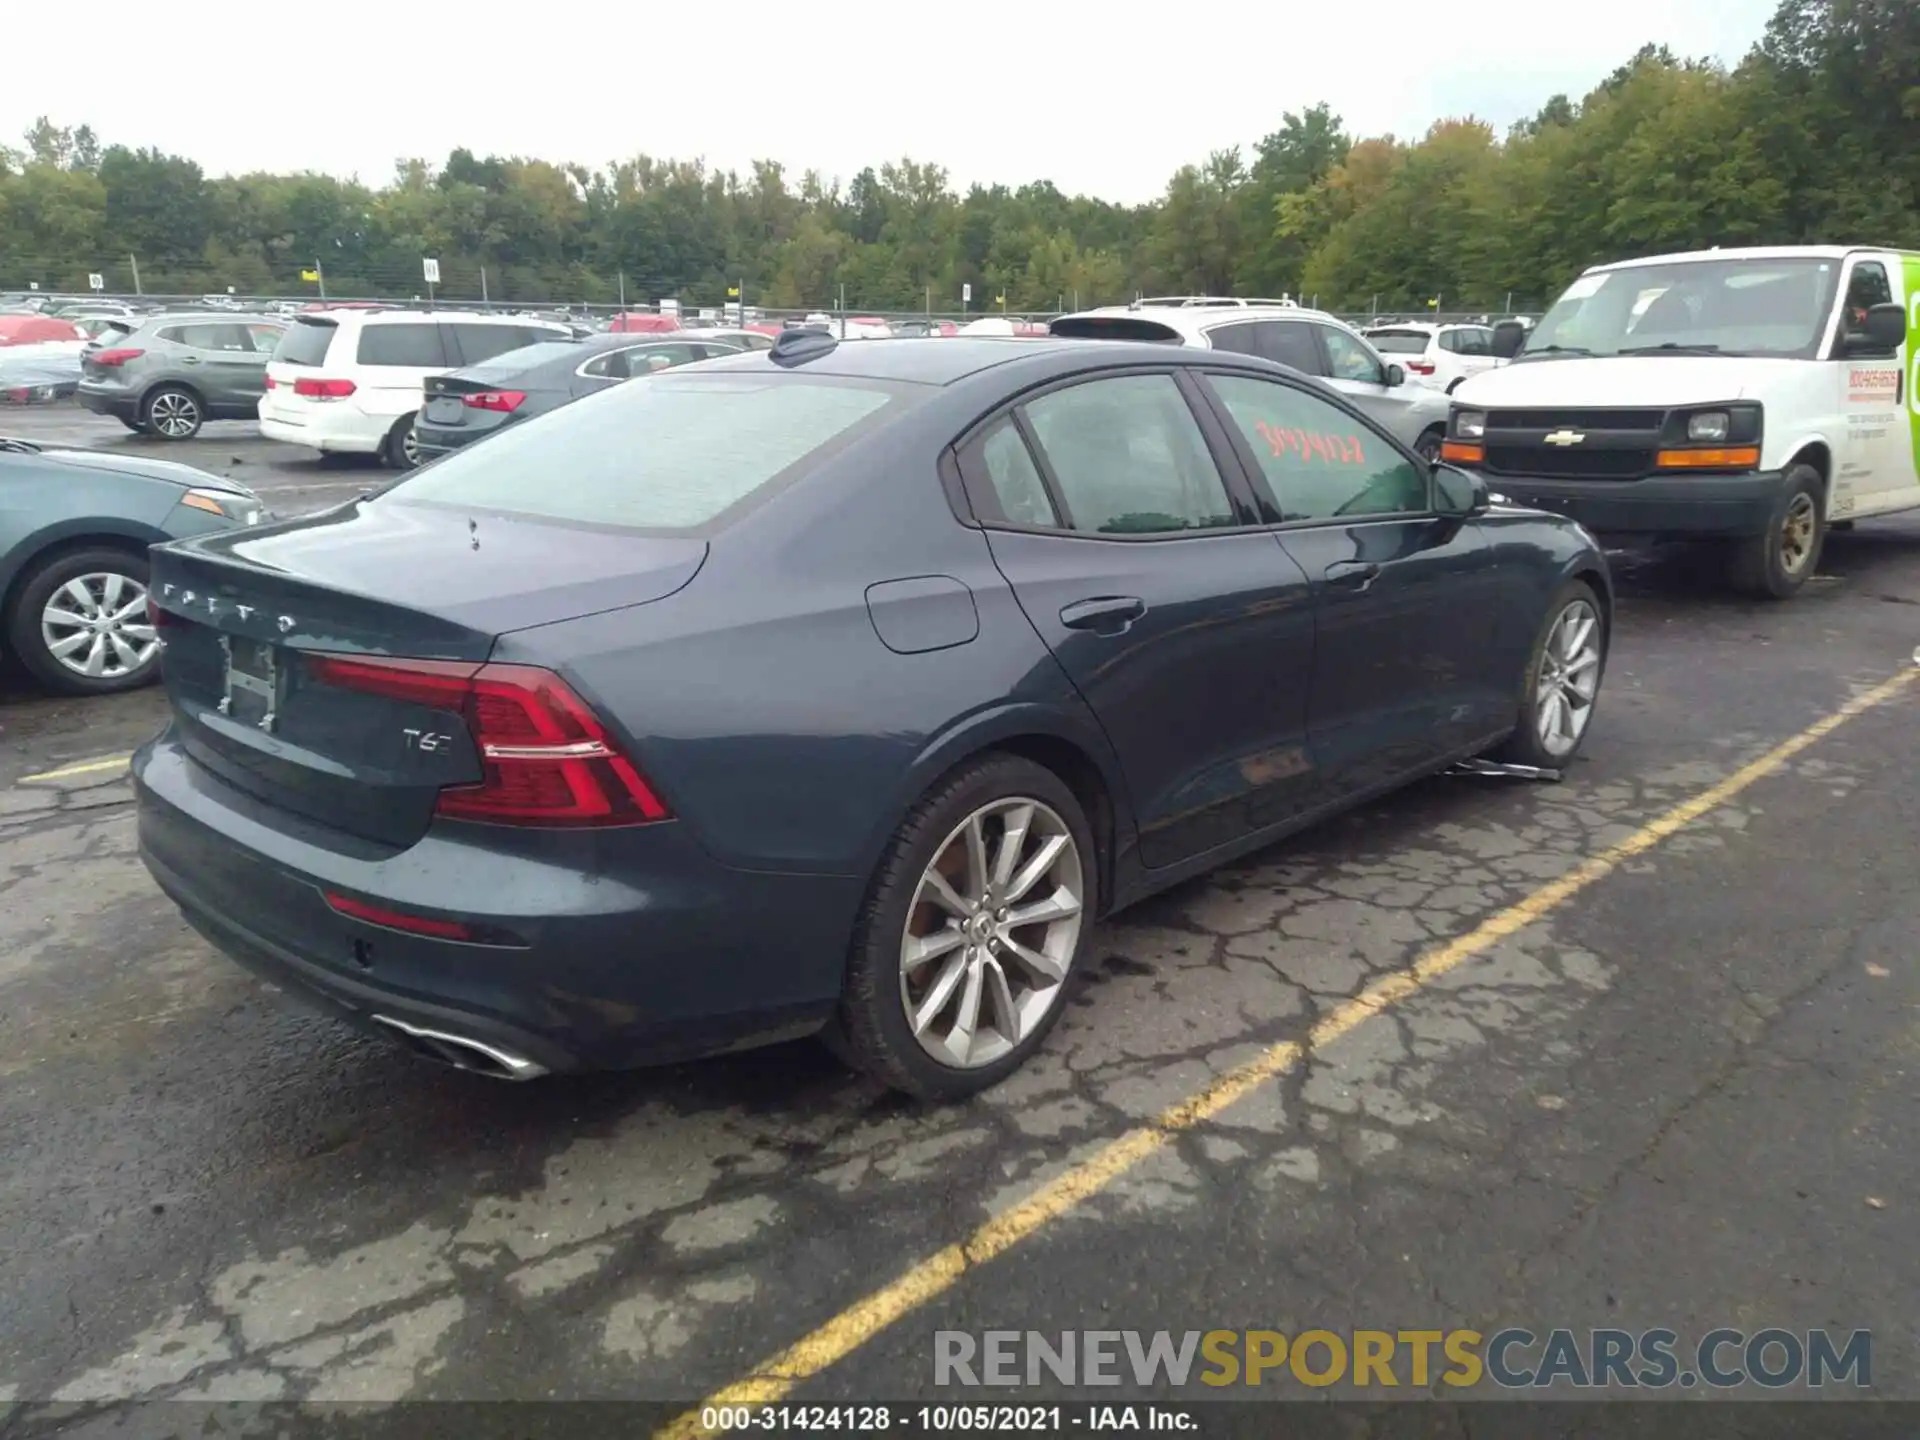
(1348, 358)
(1129, 459)
(1319, 462)
(1866, 288)
(479, 343)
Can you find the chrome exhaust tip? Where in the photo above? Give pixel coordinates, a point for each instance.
(462, 1051)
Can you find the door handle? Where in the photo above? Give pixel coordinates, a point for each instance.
(1357, 575)
(189, 359)
(1104, 614)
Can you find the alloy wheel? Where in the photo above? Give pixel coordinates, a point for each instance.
(410, 447)
(1797, 529)
(173, 414)
(1569, 678)
(96, 625)
(991, 932)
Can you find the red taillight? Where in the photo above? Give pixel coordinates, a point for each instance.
(160, 619)
(396, 919)
(545, 759)
(505, 401)
(270, 382)
(1420, 367)
(323, 389)
(114, 358)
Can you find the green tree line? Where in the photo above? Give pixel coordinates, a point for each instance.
(1812, 137)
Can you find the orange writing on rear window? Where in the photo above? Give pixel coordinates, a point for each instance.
(1309, 446)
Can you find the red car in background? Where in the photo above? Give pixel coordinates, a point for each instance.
(37, 330)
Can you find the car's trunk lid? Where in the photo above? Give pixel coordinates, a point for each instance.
(248, 612)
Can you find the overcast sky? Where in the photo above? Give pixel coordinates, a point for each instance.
(1107, 99)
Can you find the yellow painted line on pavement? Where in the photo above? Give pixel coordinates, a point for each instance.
(932, 1277)
(85, 767)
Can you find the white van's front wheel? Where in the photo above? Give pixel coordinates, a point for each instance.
(1776, 563)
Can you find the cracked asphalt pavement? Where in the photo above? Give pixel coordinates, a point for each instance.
(1684, 1098)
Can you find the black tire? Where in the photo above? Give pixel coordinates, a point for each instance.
(24, 632)
(1455, 385)
(393, 450)
(173, 412)
(1526, 745)
(138, 427)
(871, 1030)
(1427, 447)
(1776, 563)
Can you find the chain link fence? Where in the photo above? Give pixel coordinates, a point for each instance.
(46, 281)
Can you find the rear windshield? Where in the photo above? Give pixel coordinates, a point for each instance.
(305, 343)
(1399, 342)
(1112, 327)
(527, 357)
(666, 452)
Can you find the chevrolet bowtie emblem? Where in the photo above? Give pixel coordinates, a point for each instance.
(1565, 437)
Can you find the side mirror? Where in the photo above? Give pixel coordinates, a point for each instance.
(1458, 494)
(1508, 337)
(1395, 376)
(1885, 329)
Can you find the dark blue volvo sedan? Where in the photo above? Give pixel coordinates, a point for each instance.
(838, 688)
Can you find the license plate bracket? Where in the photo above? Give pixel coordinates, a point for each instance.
(443, 411)
(251, 682)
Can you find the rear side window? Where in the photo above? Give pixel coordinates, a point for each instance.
(1129, 458)
(210, 337)
(415, 346)
(675, 452)
(305, 343)
(1402, 342)
(1017, 487)
(1286, 342)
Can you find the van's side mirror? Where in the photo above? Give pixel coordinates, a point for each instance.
(1458, 494)
(1508, 337)
(1395, 376)
(1883, 331)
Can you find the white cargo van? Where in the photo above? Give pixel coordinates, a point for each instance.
(1751, 397)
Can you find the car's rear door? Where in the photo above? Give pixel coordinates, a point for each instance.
(1139, 560)
(1408, 659)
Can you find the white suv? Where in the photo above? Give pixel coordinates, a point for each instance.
(1440, 356)
(1309, 341)
(349, 381)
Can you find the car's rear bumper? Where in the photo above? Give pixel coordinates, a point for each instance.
(436, 440)
(615, 970)
(120, 404)
(1699, 506)
(332, 427)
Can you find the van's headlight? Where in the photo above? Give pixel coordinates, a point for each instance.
(1709, 426)
(1470, 424)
